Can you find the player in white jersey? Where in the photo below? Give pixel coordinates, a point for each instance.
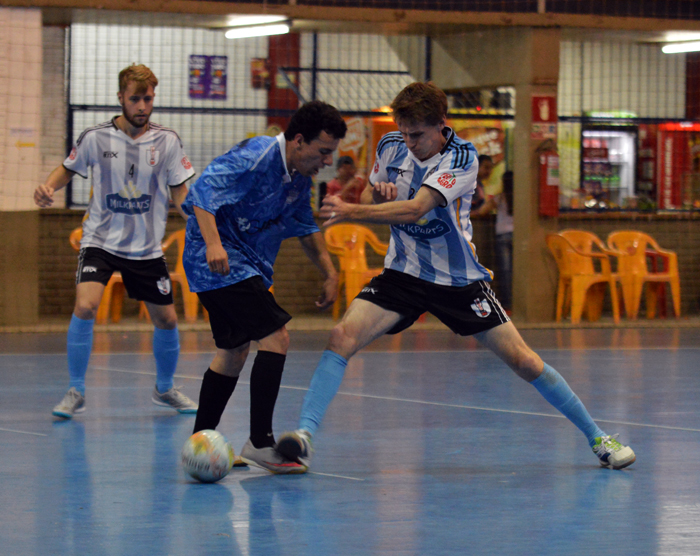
(422, 184)
(136, 166)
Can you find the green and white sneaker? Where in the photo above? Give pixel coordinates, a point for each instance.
(296, 446)
(613, 454)
(73, 402)
(175, 399)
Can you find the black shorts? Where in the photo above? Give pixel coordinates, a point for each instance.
(146, 280)
(466, 310)
(242, 313)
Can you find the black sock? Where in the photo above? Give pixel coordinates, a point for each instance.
(265, 379)
(213, 396)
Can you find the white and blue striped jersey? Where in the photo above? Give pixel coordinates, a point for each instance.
(438, 248)
(129, 200)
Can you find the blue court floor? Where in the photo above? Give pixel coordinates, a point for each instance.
(432, 447)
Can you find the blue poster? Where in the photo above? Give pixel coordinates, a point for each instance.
(207, 77)
(217, 77)
(199, 76)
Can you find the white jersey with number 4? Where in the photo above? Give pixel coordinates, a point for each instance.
(438, 248)
(129, 201)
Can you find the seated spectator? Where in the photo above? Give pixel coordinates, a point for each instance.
(348, 184)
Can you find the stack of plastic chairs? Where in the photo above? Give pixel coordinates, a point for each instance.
(585, 272)
(639, 255)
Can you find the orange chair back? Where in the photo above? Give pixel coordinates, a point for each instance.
(178, 238)
(569, 262)
(75, 237)
(633, 246)
(347, 241)
(585, 242)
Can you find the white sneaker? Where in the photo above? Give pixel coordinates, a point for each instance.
(268, 458)
(175, 399)
(73, 402)
(613, 454)
(296, 446)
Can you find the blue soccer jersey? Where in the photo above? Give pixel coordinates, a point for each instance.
(438, 248)
(257, 204)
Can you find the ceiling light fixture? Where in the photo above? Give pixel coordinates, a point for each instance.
(675, 48)
(239, 20)
(257, 31)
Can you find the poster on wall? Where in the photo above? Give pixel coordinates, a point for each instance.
(488, 137)
(544, 117)
(207, 77)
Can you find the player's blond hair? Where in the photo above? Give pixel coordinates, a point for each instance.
(139, 74)
(420, 103)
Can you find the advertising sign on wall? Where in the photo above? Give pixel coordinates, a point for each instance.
(207, 77)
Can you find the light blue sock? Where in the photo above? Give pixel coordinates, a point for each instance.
(166, 349)
(79, 348)
(556, 391)
(324, 385)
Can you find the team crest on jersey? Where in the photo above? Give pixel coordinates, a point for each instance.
(481, 308)
(376, 168)
(129, 201)
(425, 230)
(152, 156)
(243, 224)
(447, 180)
(186, 164)
(164, 285)
(73, 153)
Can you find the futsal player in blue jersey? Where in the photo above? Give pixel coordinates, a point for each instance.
(137, 166)
(245, 203)
(422, 184)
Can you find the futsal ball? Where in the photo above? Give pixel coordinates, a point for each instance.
(207, 456)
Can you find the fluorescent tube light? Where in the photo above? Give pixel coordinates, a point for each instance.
(674, 48)
(237, 21)
(257, 31)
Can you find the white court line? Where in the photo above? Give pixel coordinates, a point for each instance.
(393, 352)
(439, 404)
(23, 432)
(334, 476)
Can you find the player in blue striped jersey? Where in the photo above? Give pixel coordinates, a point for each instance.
(422, 184)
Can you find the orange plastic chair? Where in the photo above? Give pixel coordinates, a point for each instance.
(636, 251)
(578, 275)
(347, 242)
(113, 296)
(588, 242)
(190, 301)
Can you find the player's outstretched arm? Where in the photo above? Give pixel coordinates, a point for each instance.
(58, 179)
(315, 249)
(397, 212)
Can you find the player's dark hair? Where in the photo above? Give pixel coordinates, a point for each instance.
(420, 103)
(484, 158)
(141, 75)
(313, 118)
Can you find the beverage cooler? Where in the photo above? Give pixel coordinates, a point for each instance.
(678, 165)
(608, 164)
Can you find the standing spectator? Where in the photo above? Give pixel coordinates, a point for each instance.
(503, 205)
(483, 174)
